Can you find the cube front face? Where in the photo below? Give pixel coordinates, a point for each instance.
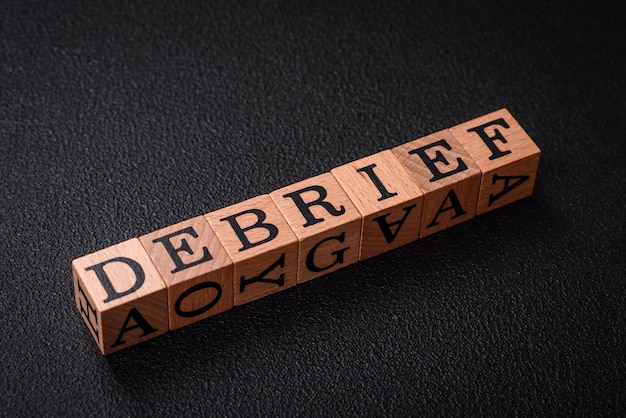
(326, 222)
(120, 295)
(196, 269)
(448, 176)
(261, 244)
(506, 155)
(387, 197)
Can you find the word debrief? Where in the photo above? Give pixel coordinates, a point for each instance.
(167, 279)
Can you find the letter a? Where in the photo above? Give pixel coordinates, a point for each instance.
(385, 227)
(455, 205)
(507, 186)
(140, 322)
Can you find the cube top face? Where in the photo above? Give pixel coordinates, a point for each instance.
(495, 140)
(186, 250)
(315, 205)
(377, 182)
(437, 161)
(249, 228)
(118, 274)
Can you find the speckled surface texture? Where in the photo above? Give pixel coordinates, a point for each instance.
(119, 119)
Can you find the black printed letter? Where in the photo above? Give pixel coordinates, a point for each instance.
(455, 205)
(304, 207)
(384, 193)
(310, 257)
(195, 288)
(439, 158)
(241, 232)
(140, 322)
(89, 312)
(261, 277)
(113, 294)
(488, 140)
(386, 227)
(507, 186)
(184, 246)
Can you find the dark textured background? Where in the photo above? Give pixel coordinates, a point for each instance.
(118, 119)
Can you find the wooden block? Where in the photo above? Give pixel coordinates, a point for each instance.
(261, 244)
(448, 176)
(120, 295)
(387, 197)
(196, 269)
(506, 155)
(326, 222)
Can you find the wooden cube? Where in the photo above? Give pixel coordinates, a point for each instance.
(120, 295)
(448, 176)
(506, 155)
(326, 222)
(387, 197)
(262, 246)
(196, 269)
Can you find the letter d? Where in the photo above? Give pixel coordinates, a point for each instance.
(113, 294)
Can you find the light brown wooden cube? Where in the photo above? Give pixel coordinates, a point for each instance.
(387, 197)
(325, 221)
(120, 295)
(448, 176)
(506, 155)
(262, 246)
(196, 269)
